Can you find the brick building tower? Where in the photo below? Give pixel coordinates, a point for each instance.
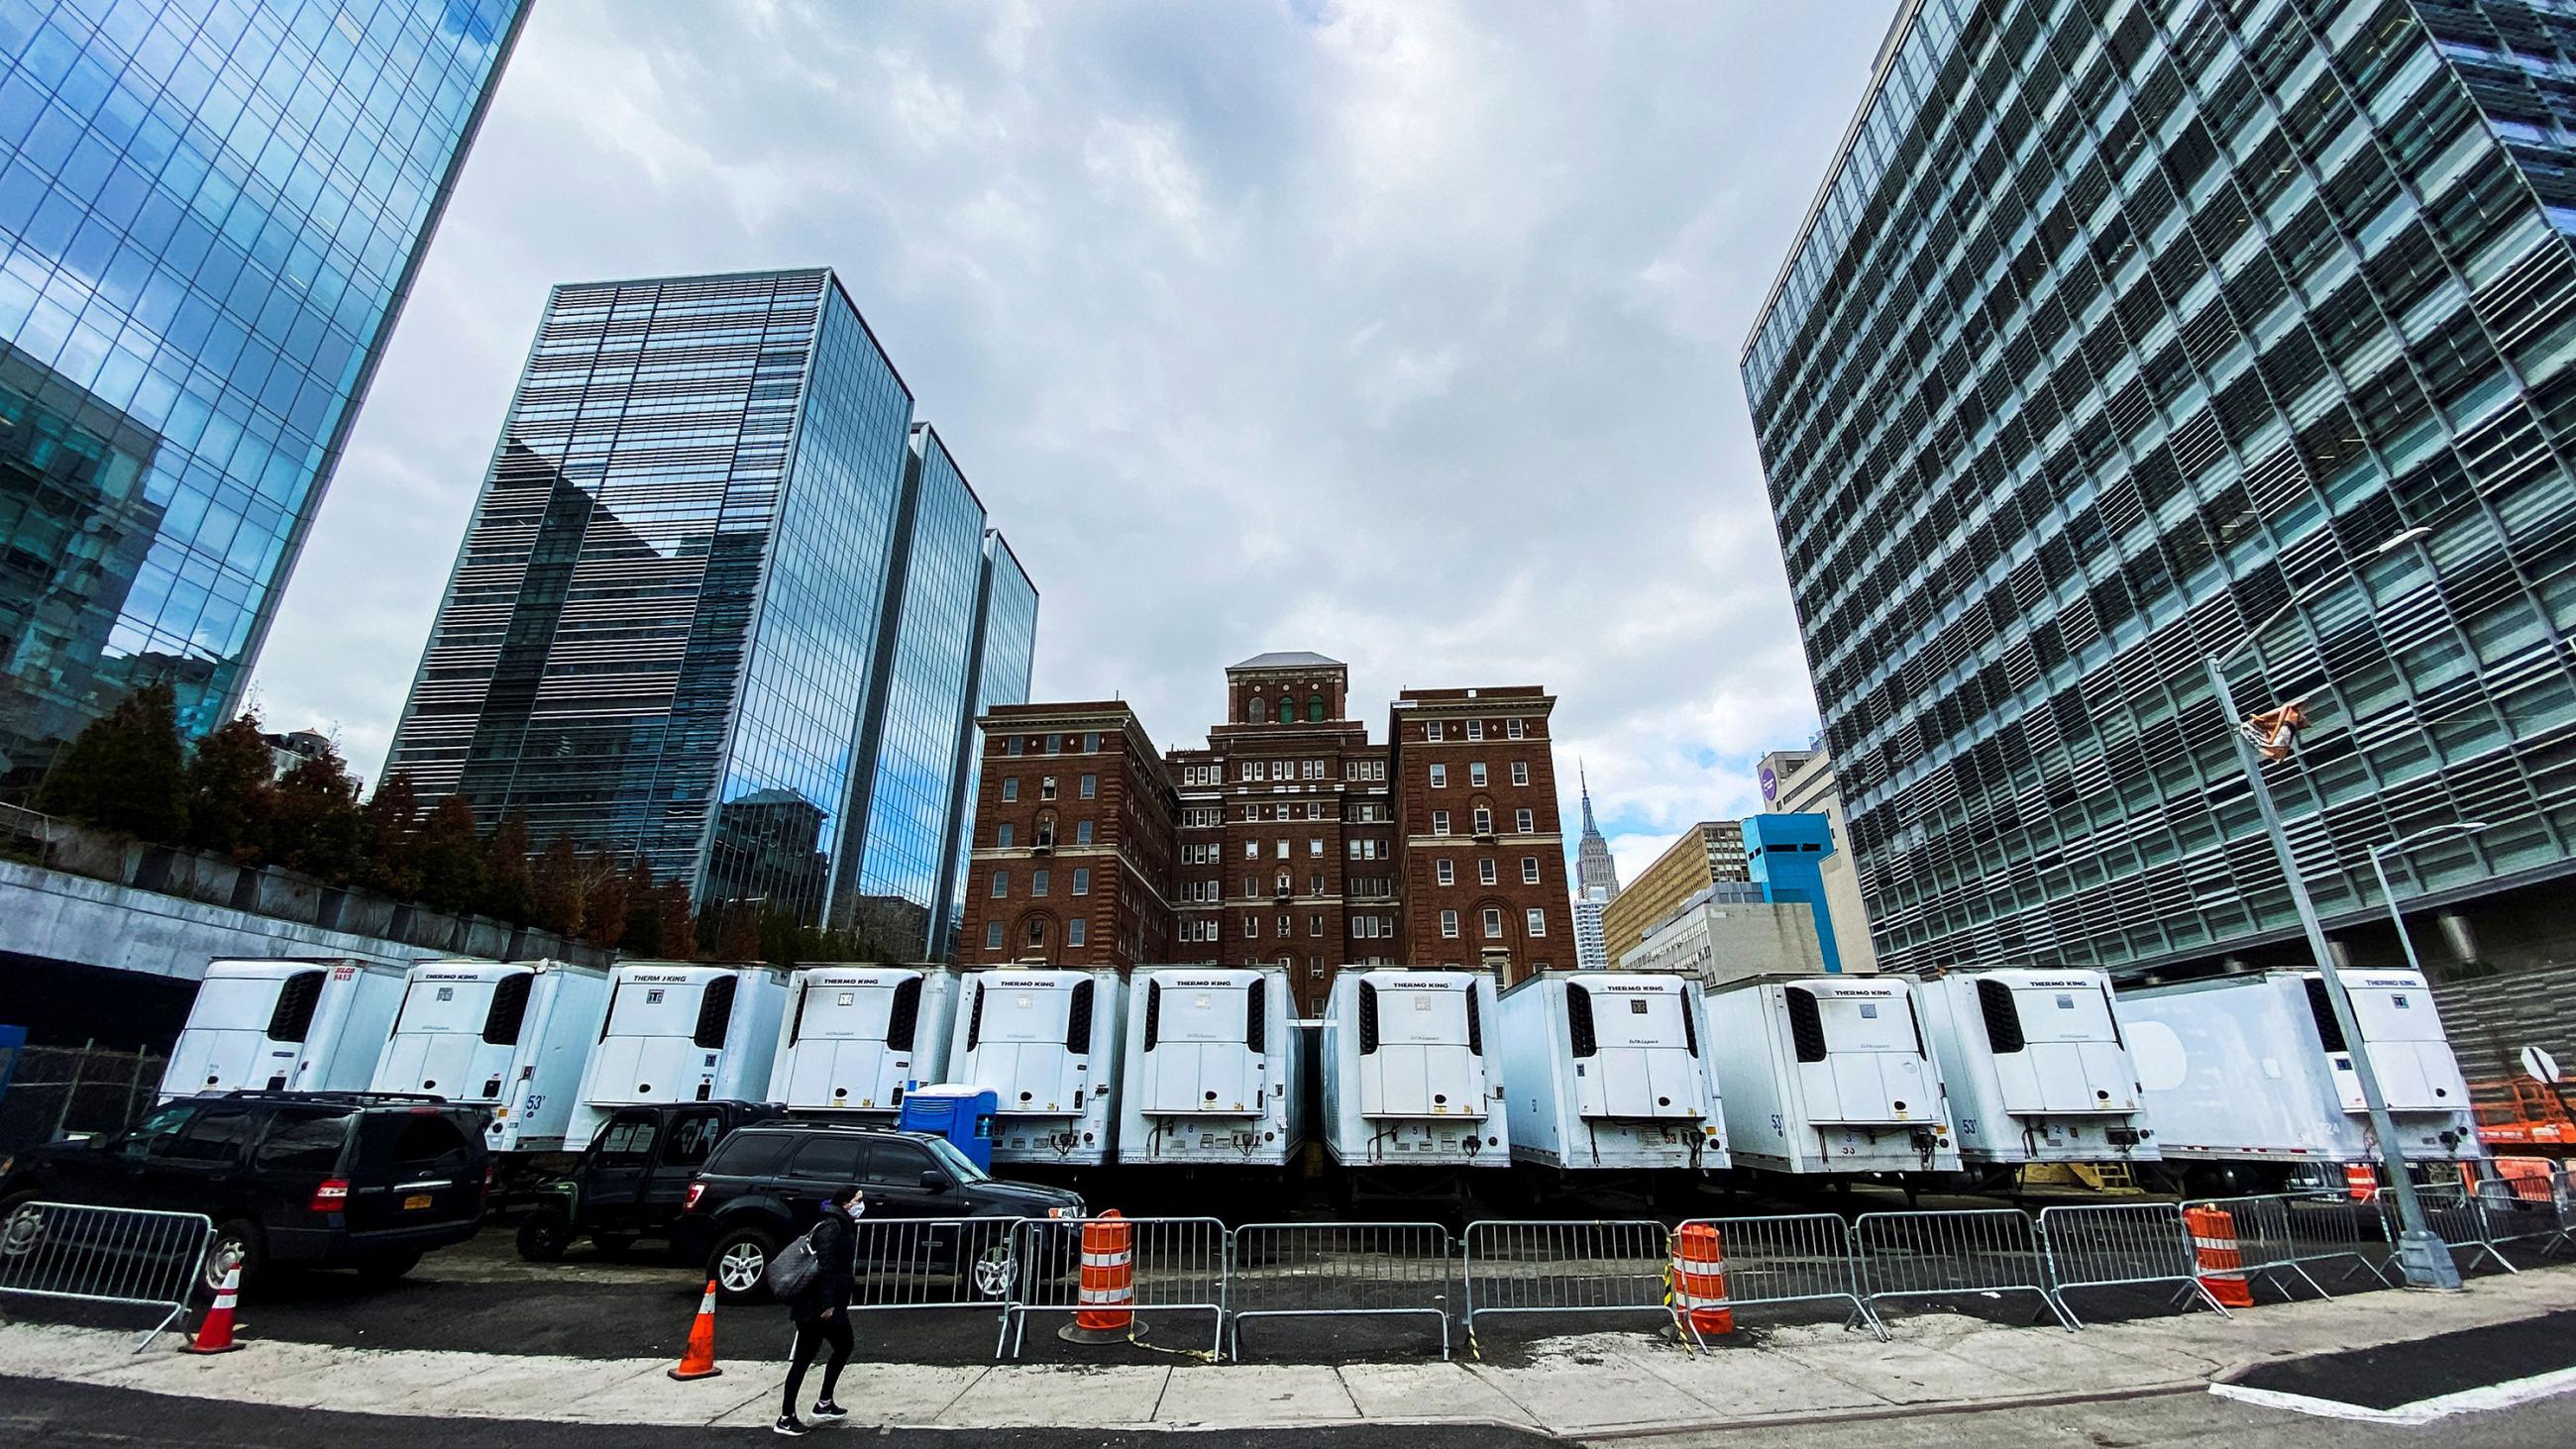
(1288, 839)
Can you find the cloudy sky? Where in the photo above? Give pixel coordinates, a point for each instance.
(1404, 332)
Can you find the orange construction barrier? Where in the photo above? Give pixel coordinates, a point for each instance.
(1106, 1310)
(215, 1335)
(1699, 1280)
(2220, 1262)
(2360, 1180)
(699, 1362)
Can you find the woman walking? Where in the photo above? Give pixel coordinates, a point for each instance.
(822, 1308)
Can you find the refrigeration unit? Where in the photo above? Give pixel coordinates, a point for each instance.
(854, 1037)
(1829, 1075)
(509, 1037)
(1047, 1043)
(283, 1025)
(1214, 1074)
(1607, 1071)
(2036, 1067)
(2254, 1069)
(677, 1031)
(1411, 1078)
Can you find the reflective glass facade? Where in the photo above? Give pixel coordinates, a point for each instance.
(211, 211)
(703, 589)
(1006, 639)
(929, 656)
(2118, 327)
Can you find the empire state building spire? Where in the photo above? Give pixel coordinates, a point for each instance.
(1592, 864)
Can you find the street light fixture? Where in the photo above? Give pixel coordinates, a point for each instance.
(2421, 1255)
(2378, 866)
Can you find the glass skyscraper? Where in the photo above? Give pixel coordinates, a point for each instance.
(211, 211)
(2118, 327)
(714, 575)
(927, 661)
(1006, 634)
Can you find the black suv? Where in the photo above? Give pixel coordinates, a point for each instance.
(633, 1179)
(319, 1179)
(764, 1186)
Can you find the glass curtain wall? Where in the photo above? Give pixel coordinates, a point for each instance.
(2116, 327)
(210, 213)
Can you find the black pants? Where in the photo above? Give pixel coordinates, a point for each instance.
(835, 1331)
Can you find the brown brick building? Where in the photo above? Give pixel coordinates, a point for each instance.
(1072, 856)
(1289, 839)
(1482, 864)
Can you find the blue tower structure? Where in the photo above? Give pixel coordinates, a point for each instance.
(1785, 854)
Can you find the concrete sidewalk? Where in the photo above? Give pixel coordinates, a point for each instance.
(1594, 1386)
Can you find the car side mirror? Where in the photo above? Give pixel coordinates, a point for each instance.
(934, 1181)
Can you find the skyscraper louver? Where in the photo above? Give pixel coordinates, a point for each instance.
(210, 215)
(2124, 335)
(723, 607)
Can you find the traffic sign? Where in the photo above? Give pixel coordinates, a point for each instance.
(2541, 1065)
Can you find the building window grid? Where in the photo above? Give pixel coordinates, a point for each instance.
(1864, 801)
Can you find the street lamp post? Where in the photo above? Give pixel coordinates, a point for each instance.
(2421, 1255)
(2379, 867)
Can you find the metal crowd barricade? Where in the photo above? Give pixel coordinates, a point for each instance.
(1950, 1253)
(2116, 1245)
(104, 1255)
(2528, 1206)
(1793, 1258)
(1615, 1265)
(968, 1263)
(2453, 1212)
(1179, 1266)
(1340, 1270)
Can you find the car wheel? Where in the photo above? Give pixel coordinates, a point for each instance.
(740, 1265)
(544, 1234)
(237, 1243)
(993, 1271)
(22, 1227)
(386, 1267)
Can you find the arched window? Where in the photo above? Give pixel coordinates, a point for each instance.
(1257, 715)
(1315, 708)
(1287, 711)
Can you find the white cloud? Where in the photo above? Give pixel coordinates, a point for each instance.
(1404, 331)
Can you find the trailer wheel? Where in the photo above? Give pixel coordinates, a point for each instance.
(544, 1234)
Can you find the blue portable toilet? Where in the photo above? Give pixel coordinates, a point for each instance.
(963, 1115)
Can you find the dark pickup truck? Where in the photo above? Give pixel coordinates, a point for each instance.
(633, 1179)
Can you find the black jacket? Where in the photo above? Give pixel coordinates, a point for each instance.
(836, 1246)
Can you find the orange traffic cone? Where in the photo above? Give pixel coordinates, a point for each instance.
(700, 1360)
(1699, 1280)
(2221, 1262)
(215, 1335)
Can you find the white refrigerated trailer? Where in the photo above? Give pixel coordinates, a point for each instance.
(1214, 1075)
(2253, 1069)
(854, 1037)
(1408, 1079)
(2035, 1066)
(283, 1025)
(1608, 1070)
(679, 1031)
(509, 1037)
(1829, 1075)
(1046, 1042)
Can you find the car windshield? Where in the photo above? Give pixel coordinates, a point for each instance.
(959, 1165)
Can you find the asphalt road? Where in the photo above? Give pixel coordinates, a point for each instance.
(2192, 1419)
(2405, 1373)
